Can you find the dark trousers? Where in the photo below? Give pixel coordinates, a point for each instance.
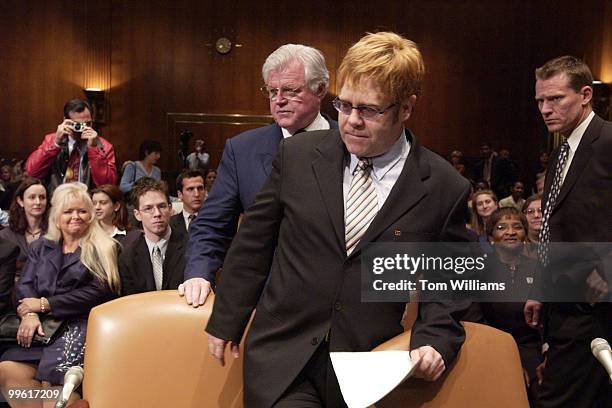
(573, 377)
(315, 386)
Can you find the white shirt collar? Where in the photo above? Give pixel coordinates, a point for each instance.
(186, 216)
(319, 123)
(385, 162)
(576, 136)
(117, 231)
(162, 243)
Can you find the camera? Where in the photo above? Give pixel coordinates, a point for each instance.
(77, 126)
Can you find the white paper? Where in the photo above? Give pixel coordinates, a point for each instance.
(366, 377)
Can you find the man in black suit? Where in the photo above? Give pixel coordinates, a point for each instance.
(155, 260)
(296, 261)
(8, 265)
(576, 205)
(190, 189)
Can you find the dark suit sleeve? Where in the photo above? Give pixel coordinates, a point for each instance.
(438, 322)
(249, 260)
(211, 233)
(8, 266)
(26, 286)
(126, 273)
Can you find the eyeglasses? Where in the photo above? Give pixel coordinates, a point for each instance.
(365, 111)
(150, 209)
(285, 92)
(531, 211)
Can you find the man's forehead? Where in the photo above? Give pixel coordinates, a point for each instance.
(555, 83)
(293, 71)
(364, 90)
(192, 181)
(85, 114)
(153, 197)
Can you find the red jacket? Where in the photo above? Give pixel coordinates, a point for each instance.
(101, 161)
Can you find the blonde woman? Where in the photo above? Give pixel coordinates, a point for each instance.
(68, 272)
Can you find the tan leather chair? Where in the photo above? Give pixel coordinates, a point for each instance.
(486, 374)
(150, 350)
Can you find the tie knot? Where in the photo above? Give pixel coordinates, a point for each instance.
(191, 217)
(364, 163)
(156, 249)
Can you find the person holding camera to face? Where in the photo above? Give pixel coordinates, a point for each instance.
(75, 152)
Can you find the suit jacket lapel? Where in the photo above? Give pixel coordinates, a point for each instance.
(142, 261)
(405, 194)
(171, 260)
(329, 173)
(581, 157)
(269, 153)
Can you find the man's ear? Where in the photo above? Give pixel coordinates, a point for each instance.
(179, 194)
(137, 215)
(587, 95)
(407, 107)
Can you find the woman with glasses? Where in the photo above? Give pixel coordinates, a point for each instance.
(68, 272)
(533, 211)
(507, 231)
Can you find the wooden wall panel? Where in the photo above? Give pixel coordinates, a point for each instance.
(157, 57)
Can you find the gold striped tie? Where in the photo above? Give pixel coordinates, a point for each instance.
(361, 205)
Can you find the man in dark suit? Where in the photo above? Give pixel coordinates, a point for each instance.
(297, 255)
(296, 81)
(155, 260)
(576, 204)
(190, 189)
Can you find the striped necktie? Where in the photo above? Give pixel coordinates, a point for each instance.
(158, 267)
(361, 204)
(555, 189)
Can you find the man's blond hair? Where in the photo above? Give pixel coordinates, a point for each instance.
(393, 62)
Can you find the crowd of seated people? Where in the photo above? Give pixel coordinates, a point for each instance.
(73, 224)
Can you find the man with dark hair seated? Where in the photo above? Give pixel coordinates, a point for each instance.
(155, 260)
(190, 189)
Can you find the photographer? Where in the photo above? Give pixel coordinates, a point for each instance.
(198, 160)
(75, 152)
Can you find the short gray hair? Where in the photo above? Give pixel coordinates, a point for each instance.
(315, 70)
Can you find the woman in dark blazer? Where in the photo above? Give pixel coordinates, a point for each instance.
(68, 272)
(27, 217)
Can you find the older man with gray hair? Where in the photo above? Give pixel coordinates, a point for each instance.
(296, 81)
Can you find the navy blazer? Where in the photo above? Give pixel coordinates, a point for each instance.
(71, 289)
(245, 166)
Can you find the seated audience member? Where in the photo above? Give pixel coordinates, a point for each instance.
(111, 211)
(190, 189)
(8, 259)
(28, 217)
(505, 173)
(515, 199)
(149, 154)
(507, 230)
(199, 159)
(484, 202)
(539, 184)
(7, 186)
(68, 272)
(155, 260)
(456, 159)
(211, 176)
(533, 212)
(481, 185)
(75, 152)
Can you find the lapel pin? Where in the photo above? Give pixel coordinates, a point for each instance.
(397, 233)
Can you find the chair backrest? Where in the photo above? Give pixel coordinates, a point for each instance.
(150, 350)
(487, 373)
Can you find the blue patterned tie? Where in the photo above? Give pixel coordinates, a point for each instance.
(550, 204)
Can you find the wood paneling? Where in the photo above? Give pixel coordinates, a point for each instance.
(158, 57)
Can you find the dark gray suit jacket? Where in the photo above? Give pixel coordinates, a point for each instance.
(136, 269)
(289, 260)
